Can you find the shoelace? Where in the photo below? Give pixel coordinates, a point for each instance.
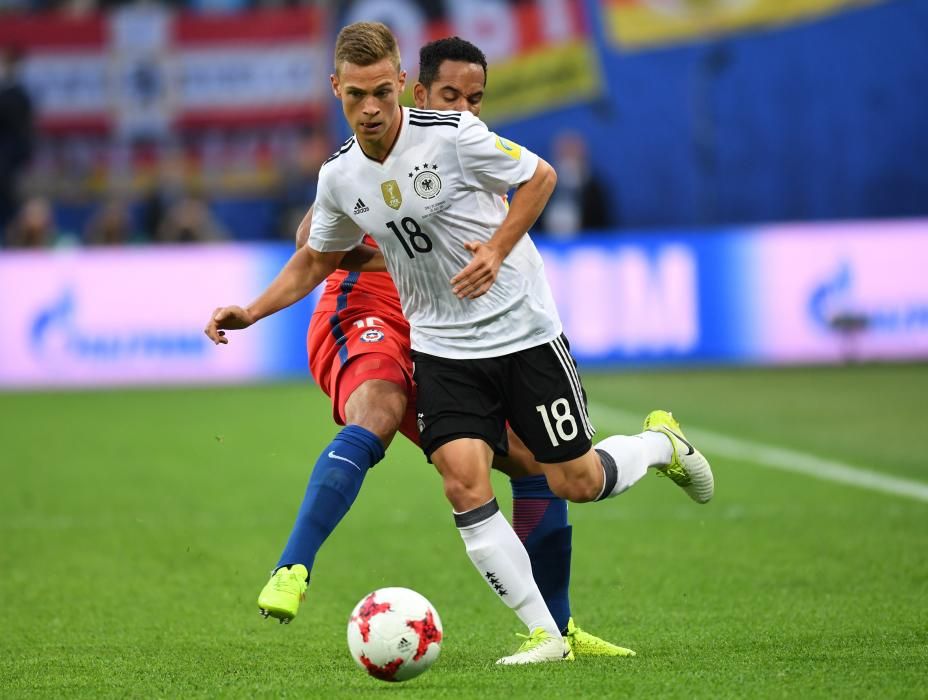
(678, 475)
(673, 472)
(287, 583)
(531, 640)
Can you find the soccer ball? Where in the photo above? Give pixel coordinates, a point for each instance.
(394, 634)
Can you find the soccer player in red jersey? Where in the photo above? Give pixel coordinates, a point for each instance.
(359, 354)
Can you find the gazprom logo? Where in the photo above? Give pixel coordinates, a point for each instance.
(55, 332)
(834, 305)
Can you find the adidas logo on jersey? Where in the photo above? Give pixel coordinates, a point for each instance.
(360, 207)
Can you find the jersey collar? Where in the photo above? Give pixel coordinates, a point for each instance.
(399, 134)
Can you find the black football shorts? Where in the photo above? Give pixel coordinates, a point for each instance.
(538, 391)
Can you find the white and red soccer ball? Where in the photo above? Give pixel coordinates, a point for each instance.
(394, 634)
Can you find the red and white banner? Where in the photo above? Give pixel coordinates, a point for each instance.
(142, 69)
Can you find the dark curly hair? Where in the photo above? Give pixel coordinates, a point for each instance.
(452, 48)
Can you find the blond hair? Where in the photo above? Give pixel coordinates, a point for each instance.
(364, 44)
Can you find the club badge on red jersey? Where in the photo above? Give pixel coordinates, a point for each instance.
(372, 336)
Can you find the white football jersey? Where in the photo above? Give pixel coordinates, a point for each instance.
(444, 183)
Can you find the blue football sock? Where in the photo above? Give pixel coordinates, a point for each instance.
(333, 487)
(540, 520)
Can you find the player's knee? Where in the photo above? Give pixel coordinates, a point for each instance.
(458, 493)
(464, 467)
(378, 406)
(574, 487)
(381, 422)
(464, 494)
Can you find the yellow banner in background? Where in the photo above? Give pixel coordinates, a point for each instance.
(638, 24)
(543, 79)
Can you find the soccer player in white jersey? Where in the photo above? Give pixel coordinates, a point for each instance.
(359, 355)
(486, 337)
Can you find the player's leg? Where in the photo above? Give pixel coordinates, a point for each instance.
(620, 461)
(493, 546)
(540, 520)
(550, 414)
(369, 383)
(461, 419)
(371, 411)
(613, 466)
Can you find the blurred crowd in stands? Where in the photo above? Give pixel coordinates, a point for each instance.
(81, 7)
(17, 133)
(215, 185)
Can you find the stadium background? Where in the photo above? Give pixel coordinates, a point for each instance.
(697, 124)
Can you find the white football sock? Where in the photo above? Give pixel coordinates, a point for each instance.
(632, 455)
(502, 561)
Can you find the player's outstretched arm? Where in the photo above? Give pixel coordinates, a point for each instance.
(305, 269)
(524, 209)
(302, 231)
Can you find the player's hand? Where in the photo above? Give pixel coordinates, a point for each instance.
(226, 318)
(476, 279)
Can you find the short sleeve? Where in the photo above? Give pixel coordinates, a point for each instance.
(489, 161)
(331, 229)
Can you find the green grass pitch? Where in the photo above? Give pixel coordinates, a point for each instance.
(137, 527)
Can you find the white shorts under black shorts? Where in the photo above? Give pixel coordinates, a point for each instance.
(538, 391)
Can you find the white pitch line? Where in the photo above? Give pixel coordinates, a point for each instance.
(780, 457)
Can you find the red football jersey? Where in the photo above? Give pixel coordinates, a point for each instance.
(373, 291)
